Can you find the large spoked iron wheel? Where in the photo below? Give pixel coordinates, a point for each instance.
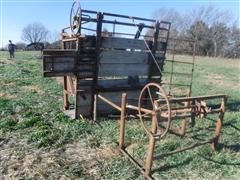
(75, 18)
(153, 98)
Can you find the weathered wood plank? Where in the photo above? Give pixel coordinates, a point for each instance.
(58, 64)
(110, 70)
(126, 57)
(131, 81)
(122, 43)
(59, 52)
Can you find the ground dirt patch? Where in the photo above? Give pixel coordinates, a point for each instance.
(33, 89)
(7, 96)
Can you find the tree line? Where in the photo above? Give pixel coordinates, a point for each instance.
(215, 32)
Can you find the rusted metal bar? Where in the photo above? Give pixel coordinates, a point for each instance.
(152, 140)
(122, 121)
(182, 62)
(193, 114)
(198, 98)
(95, 108)
(219, 123)
(126, 154)
(184, 121)
(65, 95)
(136, 108)
(109, 102)
(69, 39)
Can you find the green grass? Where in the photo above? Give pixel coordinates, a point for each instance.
(30, 109)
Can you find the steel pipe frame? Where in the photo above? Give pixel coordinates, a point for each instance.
(152, 140)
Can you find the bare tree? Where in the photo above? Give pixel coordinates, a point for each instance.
(200, 32)
(34, 33)
(219, 34)
(171, 15)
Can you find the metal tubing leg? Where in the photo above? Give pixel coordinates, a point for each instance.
(152, 141)
(219, 124)
(122, 121)
(95, 107)
(65, 94)
(184, 121)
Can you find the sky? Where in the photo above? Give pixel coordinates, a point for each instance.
(55, 14)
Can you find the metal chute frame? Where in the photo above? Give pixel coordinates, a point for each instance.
(153, 100)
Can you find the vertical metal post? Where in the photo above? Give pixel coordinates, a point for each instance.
(153, 49)
(114, 26)
(96, 64)
(122, 121)
(65, 95)
(171, 76)
(77, 98)
(193, 64)
(219, 123)
(95, 107)
(184, 121)
(193, 114)
(152, 140)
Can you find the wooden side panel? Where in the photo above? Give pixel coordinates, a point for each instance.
(59, 52)
(58, 62)
(122, 43)
(113, 70)
(114, 63)
(131, 81)
(126, 57)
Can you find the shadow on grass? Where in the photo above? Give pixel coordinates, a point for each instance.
(233, 106)
(233, 147)
(220, 162)
(171, 166)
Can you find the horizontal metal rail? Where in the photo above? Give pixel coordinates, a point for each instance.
(109, 102)
(115, 22)
(129, 17)
(183, 85)
(178, 73)
(188, 99)
(182, 62)
(89, 11)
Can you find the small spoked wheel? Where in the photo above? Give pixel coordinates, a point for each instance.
(75, 17)
(153, 99)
